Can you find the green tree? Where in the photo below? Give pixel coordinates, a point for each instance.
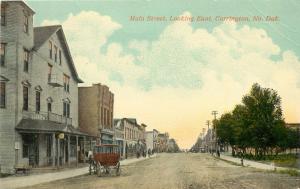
(224, 129)
(265, 117)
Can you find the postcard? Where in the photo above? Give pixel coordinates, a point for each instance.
(150, 94)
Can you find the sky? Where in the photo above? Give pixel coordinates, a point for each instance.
(171, 74)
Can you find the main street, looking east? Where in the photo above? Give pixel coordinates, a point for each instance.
(180, 170)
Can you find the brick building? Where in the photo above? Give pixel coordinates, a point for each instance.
(96, 107)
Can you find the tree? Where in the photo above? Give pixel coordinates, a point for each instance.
(265, 115)
(224, 129)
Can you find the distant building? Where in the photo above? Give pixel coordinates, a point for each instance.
(133, 142)
(96, 107)
(39, 93)
(162, 140)
(151, 139)
(119, 135)
(295, 126)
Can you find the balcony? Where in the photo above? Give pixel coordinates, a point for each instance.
(54, 81)
(47, 116)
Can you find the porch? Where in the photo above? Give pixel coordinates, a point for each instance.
(46, 143)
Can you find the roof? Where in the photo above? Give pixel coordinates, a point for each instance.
(42, 35)
(119, 124)
(47, 126)
(22, 3)
(131, 120)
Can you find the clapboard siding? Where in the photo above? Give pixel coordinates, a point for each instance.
(16, 41)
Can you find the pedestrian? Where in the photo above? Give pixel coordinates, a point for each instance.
(149, 152)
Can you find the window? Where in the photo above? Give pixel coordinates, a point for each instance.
(25, 98)
(26, 60)
(111, 119)
(26, 23)
(3, 46)
(37, 101)
(2, 94)
(55, 53)
(50, 49)
(102, 114)
(105, 116)
(66, 109)
(59, 56)
(66, 83)
(49, 107)
(3, 14)
(49, 72)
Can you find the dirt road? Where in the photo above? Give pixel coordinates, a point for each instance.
(184, 171)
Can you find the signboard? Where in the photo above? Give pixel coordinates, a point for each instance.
(61, 136)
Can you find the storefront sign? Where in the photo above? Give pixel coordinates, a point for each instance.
(61, 136)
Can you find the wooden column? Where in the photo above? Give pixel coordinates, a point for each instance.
(69, 150)
(53, 149)
(84, 159)
(76, 150)
(58, 152)
(64, 152)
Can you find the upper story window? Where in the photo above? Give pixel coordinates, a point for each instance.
(49, 72)
(26, 60)
(49, 104)
(66, 109)
(3, 52)
(37, 101)
(3, 14)
(26, 21)
(66, 83)
(2, 94)
(59, 56)
(25, 98)
(50, 49)
(55, 53)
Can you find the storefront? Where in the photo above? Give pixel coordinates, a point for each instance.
(107, 136)
(47, 143)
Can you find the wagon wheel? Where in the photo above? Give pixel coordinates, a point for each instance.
(90, 168)
(99, 169)
(118, 169)
(94, 167)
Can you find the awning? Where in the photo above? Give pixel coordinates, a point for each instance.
(31, 125)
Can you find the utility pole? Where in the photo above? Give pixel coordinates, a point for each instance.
(206, 138)
(214, 113)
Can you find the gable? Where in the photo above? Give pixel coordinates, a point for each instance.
(42, 35)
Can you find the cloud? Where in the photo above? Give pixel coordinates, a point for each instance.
(87, 32)
(172, 83)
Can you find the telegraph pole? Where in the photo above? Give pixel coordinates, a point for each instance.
(214, 113)
(206, 138)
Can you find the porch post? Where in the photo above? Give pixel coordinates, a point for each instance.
(84, 159)
(64, 152)
(76, 150)
(58, 152)
(53, 149)
(69, 151)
